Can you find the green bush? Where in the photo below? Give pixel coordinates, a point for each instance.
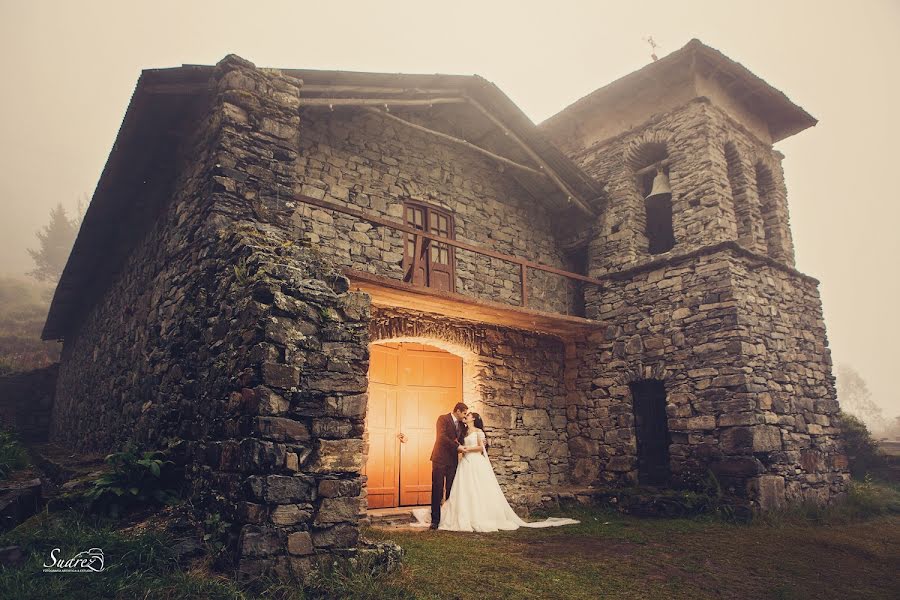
(862, 451)
(135, 479)
(12, 455)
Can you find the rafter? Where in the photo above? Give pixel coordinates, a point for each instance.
(331, 102)
(572, 196)
(456, 140)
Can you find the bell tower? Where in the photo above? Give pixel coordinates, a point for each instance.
(703, 301)
(707, 124)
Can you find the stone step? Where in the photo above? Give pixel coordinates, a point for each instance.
(388, 517)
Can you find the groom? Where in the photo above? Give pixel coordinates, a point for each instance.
(444, 457)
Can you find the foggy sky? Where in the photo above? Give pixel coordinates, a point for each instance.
(69, 70)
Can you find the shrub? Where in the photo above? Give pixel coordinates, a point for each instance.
(12, 455)
(867, 498)
(135, 479)
(862, 451)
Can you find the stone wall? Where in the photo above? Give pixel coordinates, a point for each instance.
(789, 363)
(360, 159)
(224, 334)
(515, 380)
(749, 390)
(677, 323)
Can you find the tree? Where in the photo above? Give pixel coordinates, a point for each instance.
(856, 399)
(56, 242)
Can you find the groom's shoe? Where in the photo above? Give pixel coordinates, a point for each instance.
(433, 526)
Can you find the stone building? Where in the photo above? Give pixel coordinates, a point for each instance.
(291, 273)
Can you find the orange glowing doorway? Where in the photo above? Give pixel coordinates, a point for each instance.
(410, 385)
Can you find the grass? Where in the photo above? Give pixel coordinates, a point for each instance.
(13, 455)
(848, 551)
(611, 556)
(136, 566)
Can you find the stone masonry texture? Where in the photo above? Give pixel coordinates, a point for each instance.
(232, 332)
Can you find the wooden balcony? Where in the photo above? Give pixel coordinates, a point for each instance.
(394, 293)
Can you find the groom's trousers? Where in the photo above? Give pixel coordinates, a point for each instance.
(441, 482)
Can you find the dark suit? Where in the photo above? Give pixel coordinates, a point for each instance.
(443, 462)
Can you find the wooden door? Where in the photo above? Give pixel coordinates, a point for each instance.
(381, 424)
(418, 383)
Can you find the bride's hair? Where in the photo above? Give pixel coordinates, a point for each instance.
(478, 422)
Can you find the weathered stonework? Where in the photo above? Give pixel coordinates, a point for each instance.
(231, 327)
(234, 346)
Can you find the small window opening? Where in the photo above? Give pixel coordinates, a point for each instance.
(651, 428)
(577, 260)
(742, 215)
(765, 187)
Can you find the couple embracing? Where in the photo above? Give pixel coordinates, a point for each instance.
(461, 472)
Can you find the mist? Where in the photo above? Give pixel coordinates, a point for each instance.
(70, 69)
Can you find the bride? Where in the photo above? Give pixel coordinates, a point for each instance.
(476, 502)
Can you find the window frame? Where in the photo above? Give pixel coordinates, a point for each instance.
(428, 246)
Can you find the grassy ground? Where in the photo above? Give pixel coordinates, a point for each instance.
(609, 556)
(850, 552)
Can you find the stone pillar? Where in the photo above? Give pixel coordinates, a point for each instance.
(284, 457)
(780, 227)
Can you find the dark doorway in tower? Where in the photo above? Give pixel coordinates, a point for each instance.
(652, 431)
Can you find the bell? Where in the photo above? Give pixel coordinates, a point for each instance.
(660, 185)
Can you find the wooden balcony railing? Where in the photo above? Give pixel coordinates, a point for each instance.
(422, 237)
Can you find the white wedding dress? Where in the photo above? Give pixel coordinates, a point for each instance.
(476, 502)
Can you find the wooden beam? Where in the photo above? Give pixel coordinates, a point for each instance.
(376, 89)
(185, 89)
(456, 140)
(572, 196)
(412, 230)
(391, 293)
(332, 102)
(523, 281)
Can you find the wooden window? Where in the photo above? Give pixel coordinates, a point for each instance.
(435, 265)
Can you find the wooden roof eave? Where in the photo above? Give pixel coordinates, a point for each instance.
(390, 293)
